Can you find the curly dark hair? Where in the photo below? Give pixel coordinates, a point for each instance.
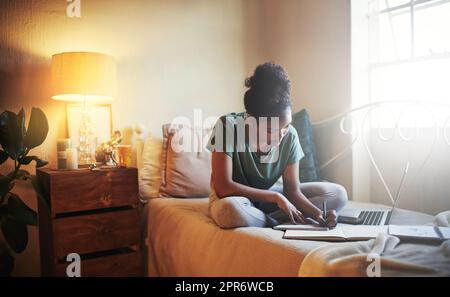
(269, 91)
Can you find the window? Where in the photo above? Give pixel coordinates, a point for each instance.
(408, 50)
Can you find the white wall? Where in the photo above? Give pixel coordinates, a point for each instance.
(312, 40)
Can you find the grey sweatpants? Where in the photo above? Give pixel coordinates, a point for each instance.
(238, 211)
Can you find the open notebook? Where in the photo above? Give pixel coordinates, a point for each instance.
(310, 227)
(363, 232)
(340, 233)
(423, 233)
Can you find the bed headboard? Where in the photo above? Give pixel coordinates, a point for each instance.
(359, 119)
(340, 119)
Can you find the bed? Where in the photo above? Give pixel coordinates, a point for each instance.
(182, 240)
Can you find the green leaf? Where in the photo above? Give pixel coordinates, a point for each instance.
(22, 174)
(27, 160)
(39, 189)
(12, 133)
(4, 185)
(3, 156)
(20, 211)
(37, 129)
(6, 263)
(40, 163)
(21, 123)
(3, 210)
(15, 233)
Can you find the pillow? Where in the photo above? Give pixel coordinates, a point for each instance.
(309, 169)
(150, 172)
(185, 162)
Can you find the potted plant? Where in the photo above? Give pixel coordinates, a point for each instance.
(16, 142)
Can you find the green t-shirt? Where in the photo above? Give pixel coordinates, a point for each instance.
(249, 168)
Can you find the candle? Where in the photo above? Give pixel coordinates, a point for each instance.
(61, 146)
(71, 158)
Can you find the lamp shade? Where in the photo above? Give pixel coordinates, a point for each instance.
(79, 76)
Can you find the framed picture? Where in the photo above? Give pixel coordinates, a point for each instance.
(100, 122)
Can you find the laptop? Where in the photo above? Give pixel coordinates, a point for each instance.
(357, 216)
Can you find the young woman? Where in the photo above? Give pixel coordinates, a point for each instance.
(252, 150)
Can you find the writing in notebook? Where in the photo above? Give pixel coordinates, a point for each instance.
(300, 227)
(312, 225)
(340, 233)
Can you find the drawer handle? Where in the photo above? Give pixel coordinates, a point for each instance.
(106, 199)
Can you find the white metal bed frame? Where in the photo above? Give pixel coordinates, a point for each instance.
(359, 124)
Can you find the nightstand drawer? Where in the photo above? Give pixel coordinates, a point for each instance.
(86, 190)
(96, 232)
(127, 264)
(94, 214)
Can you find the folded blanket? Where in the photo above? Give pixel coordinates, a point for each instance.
(442, 219)
(383, 256)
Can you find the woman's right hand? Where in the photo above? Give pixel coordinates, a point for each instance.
(285, 205)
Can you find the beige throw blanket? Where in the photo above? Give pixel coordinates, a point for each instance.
(383, 256)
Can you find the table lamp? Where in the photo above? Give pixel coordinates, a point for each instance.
(88, 78)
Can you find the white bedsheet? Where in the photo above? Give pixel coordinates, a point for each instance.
(383, 256)
(183, 241)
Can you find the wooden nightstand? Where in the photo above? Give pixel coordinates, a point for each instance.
(94, 214)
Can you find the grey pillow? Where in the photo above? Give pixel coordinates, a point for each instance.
(309, 169)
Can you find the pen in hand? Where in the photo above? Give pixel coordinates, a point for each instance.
(324, 215)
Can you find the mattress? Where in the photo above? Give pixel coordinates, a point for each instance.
(182, 240)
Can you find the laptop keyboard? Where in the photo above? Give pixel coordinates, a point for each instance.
(372, 217)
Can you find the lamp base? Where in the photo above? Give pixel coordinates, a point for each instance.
(86, 162)
(98, 164)
(87, 146)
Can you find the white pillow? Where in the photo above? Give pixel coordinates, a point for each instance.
(150, 172)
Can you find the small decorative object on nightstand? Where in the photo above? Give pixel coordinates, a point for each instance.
(105, 151)
(94, 214)
(61, 145)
